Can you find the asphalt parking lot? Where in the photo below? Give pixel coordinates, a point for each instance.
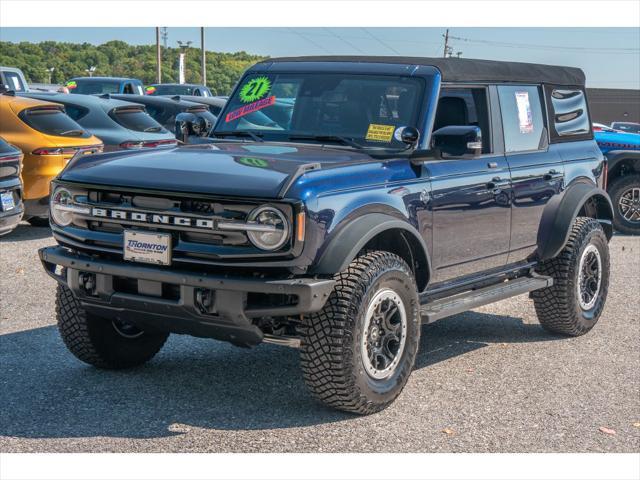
(490, 380)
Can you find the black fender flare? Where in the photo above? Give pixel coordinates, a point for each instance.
(352, 237)
(615, 157)
(561, 211)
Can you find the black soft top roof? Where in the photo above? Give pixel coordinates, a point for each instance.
(466, 69)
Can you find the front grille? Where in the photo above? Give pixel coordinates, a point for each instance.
(169, 207)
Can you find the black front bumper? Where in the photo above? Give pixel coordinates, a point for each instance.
(171, 300)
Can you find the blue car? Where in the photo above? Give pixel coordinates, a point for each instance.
(378, 194)
(101, 85)
(118, 123)
(623, 157)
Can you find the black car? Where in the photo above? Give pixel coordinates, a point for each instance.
(399, 191)
(165, 109)
(178, 89)
(215, 104)
(11, 207)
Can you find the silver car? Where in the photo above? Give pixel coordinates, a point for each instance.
(118, 123)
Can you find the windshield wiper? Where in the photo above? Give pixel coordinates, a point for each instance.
(241, 133)
(329, 138)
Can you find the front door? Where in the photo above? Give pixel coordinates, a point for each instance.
(471, 196)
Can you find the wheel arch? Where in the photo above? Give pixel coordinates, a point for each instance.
(580, 199)
(620, 162)
(376, 231)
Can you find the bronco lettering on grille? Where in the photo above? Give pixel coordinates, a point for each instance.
(153, 218)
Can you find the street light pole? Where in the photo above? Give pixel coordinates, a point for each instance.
(50, 70)
(181, 62)
(90, 70)
(203, 59)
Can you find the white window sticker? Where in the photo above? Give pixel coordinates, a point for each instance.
(525, 117)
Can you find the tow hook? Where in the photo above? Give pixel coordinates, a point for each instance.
(87, 282)
(205, 300)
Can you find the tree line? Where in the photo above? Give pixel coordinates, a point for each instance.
(120, 59)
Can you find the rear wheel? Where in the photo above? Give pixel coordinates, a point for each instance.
(573, 304)
(100, 342)
(625, 196)
(358, 351)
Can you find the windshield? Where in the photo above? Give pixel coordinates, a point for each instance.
(52, 121)
(90, 87)
(627, 127)
(136, 119)
(368, 109)
(176, 90)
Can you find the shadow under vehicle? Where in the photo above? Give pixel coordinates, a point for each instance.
(399, 191)
(118, 123)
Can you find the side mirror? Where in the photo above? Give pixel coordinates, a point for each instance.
(458, 140)
(410, 136)
(189, 124)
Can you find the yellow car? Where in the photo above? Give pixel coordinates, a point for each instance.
(49, 139)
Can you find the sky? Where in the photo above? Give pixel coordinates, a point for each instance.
(610, 57)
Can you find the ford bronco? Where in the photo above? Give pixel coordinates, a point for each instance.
(340, 203)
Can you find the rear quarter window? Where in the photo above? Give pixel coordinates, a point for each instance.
(568, 114)
(136, 119)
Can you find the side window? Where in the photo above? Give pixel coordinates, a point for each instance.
(128, 89)
(465, 106)
(568, 113)
(75, 112)
(522, 119)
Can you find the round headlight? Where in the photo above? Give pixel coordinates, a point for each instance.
(60, 199)
(269, 228)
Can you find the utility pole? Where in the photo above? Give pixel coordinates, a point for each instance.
(446, 43)
(203, 59)
(158, 57)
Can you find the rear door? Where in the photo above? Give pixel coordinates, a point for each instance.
(537, 173)
(470, 195)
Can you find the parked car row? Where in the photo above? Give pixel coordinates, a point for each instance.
(42, 131)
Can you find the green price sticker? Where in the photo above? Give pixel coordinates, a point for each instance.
(255, 89)
(253, 162)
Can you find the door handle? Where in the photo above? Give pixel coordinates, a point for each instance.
(492, 164)
(551, 174)
(493, 183)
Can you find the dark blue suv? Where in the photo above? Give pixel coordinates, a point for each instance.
(340, 203)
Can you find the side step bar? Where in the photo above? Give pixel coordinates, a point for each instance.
(462, 302)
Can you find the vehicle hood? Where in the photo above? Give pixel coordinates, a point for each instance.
(227, 169)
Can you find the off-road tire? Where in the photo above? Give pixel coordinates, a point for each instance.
(331, 356)
(616, 189)
(39, 221)
(95, 341)
(558, 307)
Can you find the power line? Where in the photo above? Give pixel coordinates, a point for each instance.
(384, 44)
(311, 41)
(345, 41)
(548, 47)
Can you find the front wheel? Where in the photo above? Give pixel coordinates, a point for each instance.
(573, 304)
(100, 342)
(358, 351)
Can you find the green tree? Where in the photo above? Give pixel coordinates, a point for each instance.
(117, 58)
